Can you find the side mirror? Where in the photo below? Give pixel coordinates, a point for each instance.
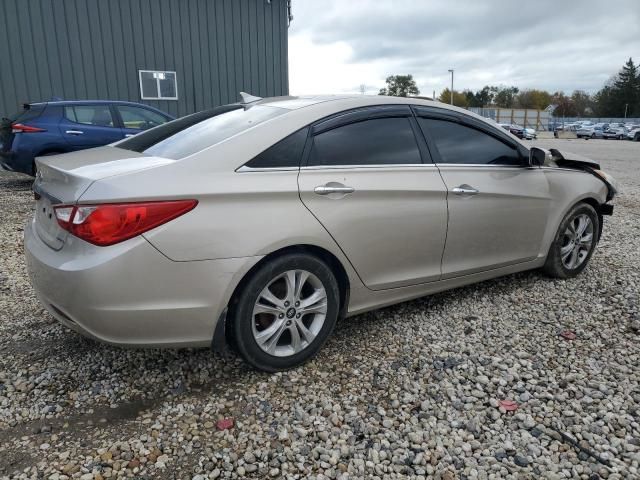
(537, 156)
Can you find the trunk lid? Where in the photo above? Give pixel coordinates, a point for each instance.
(62, 179)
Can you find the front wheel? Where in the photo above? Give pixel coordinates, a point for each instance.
(574, 242)
(285, 312)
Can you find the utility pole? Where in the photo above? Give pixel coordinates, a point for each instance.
(451, 71)
(626, 105)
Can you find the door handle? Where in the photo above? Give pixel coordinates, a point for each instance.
(465, 190)
(127, 135)
(74, 132)
(329, 188)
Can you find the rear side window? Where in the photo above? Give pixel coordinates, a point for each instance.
(192, 134)
(465, 145)
(97, 115)
(29, 113)
(379, 141)
(285, 153)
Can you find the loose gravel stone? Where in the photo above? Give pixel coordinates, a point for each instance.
(409, 391)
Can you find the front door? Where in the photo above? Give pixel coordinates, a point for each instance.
(138, 119)
(366, 182)
(498, 205)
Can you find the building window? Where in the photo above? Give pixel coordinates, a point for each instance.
(156, 85)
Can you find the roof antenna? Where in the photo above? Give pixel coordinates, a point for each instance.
(248, 98)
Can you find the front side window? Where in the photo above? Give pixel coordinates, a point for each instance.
(379, 141)
(158, 85)
(465, 145)
(192, 134)
(97, 115)
(139, 118)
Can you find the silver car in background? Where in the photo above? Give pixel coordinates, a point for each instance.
(259, 224)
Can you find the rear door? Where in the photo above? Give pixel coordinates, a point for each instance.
(498, 204)
(89, 125)
(135, 119)
(370, 182)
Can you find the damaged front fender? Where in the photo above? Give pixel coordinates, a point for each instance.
(579, 162)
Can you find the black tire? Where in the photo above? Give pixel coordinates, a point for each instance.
(241, 318)
(636, 137)
(593, 135)
(554, 266)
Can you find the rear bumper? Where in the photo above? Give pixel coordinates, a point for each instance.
(130, 294)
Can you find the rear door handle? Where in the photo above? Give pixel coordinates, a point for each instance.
(74, 132)
(127, 135)
(465, 190)
(333, 188)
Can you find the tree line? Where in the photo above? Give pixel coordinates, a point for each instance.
(620, 93)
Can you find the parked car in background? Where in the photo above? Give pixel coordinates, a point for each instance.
(634, 134)
(517, 130)
(264, 222)
(530, 134)
(616, 133)
(50, 128)
(589, 132)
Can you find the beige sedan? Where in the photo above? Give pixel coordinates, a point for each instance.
(259, 224)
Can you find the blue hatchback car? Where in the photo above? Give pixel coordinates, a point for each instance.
(51, 128)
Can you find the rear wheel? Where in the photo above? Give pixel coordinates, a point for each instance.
(574, 242)
(593, 135)
(285, 312)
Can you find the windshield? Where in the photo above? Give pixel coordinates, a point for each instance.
(192, 134)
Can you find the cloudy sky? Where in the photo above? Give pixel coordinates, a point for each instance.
(336, 45)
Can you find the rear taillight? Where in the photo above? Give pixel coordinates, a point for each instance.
(20, 128)
(110, 223)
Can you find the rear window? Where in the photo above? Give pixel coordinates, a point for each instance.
(192, 134)
(26, 114)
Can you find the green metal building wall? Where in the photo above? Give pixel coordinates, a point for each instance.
(93, 49)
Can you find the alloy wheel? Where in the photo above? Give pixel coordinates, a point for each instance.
(289, 313)
(576, 241)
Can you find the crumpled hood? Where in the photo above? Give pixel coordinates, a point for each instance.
(564, 159)
(568, 158)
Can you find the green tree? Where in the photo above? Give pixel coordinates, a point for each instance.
(533, 98)
(621, 92)
(582, 103)
(459, 98)
(565, 107)
(627, 89)
(400, 86)
(505, 96)
(484, 97)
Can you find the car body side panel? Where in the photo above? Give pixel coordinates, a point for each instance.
(239, 214)
(363, 299)
(502, 224)
(392, 227)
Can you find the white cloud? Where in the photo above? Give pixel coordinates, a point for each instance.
(326, 68)
(334, 46)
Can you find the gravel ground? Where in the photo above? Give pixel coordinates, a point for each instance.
(408, 391)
